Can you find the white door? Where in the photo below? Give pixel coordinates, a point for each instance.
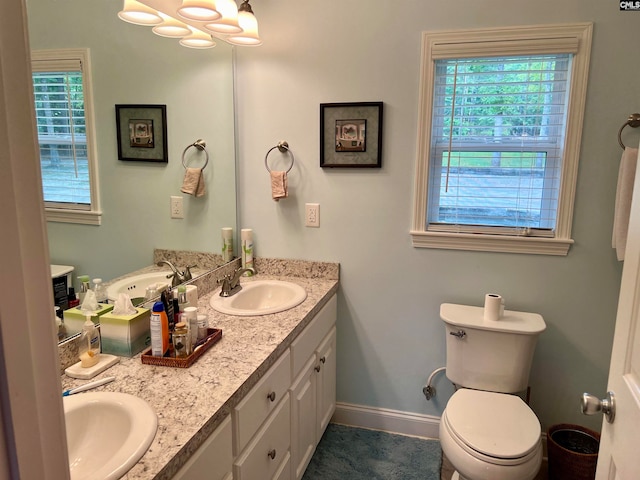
(618, 458)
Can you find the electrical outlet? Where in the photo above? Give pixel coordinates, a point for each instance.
(176, 207)
(312, 214)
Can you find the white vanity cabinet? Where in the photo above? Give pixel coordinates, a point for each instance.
(273, 431)
(213, 460)
(261, 426)
(313, 391)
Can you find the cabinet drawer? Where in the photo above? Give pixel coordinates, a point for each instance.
(306, 343)
(253, 410)
(213, 460)
(268, 455)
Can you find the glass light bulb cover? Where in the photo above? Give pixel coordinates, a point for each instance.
(170, 27)
(139, 14)
(201, 10)
(228, 23)
(197, 39)
(249, 36)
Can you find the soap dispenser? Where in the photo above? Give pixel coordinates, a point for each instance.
(89, 347)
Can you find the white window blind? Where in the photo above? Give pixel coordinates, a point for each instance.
(59, 103)
(64, 116)
(497, 140)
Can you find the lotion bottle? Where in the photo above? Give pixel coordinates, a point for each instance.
(89, 347)
(159, 326)
(246, 236)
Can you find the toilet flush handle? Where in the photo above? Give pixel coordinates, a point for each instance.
(460, 334)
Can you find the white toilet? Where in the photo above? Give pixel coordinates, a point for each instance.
(487, 432)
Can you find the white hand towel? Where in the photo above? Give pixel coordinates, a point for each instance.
(624, 193)
(193, 183)
(279, 185)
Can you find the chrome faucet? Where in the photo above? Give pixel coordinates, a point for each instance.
(177, 276)
(231, 283)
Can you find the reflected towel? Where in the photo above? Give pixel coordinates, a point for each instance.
(193, 183)
(279, 185)
(624, 193)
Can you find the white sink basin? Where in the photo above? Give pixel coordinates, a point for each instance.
(136, 285)
(260, 297)
(107, 433)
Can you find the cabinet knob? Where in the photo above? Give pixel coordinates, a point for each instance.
(272, 454)
(272, 396)
(323, 359)
(317, 368)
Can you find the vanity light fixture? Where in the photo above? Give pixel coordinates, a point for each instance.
(139, 14)
(197, 39)
(170, 27)
(200, 10)
(228, 23)
(249, 25)
(196, 22)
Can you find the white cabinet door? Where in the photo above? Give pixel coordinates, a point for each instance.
(326, 374)
(213, 460)
(303, 418)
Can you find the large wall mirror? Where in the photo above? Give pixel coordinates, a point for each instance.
(131, 65)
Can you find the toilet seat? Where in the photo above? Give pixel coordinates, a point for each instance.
(493, 427)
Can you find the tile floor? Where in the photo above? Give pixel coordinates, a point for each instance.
(447, 470)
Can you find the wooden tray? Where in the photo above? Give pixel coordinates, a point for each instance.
(213, 336)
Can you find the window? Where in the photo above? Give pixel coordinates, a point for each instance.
(62, 95)
(500, 124)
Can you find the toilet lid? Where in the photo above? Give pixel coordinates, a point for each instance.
(495, 424)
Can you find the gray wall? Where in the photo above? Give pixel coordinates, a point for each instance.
(390, 336)
(132, 65)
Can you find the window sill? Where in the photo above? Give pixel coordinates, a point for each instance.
(86, 217)
(491, 243)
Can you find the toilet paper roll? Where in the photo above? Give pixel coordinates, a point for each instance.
(192, 295)
(493, 307)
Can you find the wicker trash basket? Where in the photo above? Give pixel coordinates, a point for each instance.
(572, 451)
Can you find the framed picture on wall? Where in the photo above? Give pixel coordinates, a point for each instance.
(141, 131)
(351, 135)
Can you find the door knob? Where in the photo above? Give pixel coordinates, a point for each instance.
(591, 405)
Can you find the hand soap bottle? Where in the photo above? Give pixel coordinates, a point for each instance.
(89, 347)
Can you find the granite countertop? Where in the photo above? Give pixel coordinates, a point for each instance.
(192, 402)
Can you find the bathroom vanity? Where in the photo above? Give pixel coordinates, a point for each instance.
(255, 404)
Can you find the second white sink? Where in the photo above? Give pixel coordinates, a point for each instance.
(107, 433)
(260, 297)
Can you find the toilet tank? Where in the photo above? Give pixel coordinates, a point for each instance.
(494, 356)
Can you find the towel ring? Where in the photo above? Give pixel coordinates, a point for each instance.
(283, 146)
(633, 121)
(200, 145)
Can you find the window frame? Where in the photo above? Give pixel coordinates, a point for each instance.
(61, 57)
(572, 38)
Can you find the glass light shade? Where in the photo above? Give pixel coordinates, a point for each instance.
(197, 39)
(201, 10)
(139, 14)
(170, 27)
(249, 35)
(229, 21)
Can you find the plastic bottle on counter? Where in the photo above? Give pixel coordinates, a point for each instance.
(191, 318)
(159, 326)
(84, 287)
(100, 291)
(89, 346)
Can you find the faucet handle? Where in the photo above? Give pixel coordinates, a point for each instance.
(187, 272)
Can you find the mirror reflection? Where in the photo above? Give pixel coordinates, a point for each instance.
(132, 66)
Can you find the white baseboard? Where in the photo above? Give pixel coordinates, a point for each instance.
(394, 421)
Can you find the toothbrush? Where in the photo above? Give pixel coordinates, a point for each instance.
(88, 386)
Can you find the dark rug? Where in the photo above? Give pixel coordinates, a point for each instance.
(349, 453)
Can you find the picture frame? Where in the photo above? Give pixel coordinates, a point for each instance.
(351, 135)
(141, 131)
